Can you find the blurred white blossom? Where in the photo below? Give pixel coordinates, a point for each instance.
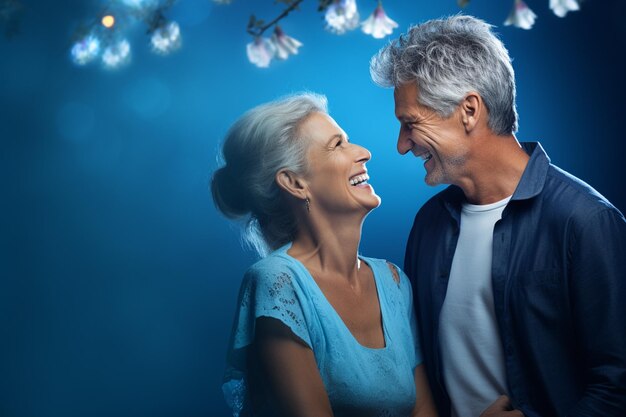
(342, 16)
(85, 50)
(521, 16)
(561, 7)
(166, 39)
(284, 45)
(378, 24)
(116, 54)
(140, 4)
(260, 52)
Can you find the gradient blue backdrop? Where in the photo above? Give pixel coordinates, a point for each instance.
(118, 279)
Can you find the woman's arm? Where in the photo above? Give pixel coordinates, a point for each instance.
(424, 406)
(288, 371)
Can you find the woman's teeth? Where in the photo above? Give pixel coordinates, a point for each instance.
(359, 179)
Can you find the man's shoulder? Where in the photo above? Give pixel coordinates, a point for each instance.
(437, 203)
(567, 193)
(437, 211)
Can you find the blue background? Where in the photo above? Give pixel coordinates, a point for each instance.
(118, 277)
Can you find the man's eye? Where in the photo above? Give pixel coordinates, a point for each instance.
(339, 143)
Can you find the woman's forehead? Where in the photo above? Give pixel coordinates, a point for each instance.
(320, 127)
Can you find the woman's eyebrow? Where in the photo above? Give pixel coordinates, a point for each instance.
(335, 136)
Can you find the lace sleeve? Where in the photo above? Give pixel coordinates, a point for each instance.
(268, 293)
(265, 292)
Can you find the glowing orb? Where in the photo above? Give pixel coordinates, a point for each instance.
(108, 21)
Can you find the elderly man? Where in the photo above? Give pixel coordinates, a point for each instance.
(518, 268)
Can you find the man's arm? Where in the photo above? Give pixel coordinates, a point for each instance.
(294, 384)
(598, 301)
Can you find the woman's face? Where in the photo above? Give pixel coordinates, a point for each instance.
(336, 176)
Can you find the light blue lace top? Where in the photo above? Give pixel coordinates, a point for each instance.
(359, 381)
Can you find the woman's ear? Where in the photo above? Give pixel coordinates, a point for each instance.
(292, 183)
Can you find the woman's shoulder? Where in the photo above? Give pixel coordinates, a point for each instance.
(277, 260)
(387, 269)
(276, 267)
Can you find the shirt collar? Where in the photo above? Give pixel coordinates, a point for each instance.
(531, 183)
(534, 176)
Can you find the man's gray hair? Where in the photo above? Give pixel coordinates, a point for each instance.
(262, 142)
(449, 58)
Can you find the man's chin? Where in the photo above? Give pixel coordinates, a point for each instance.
(432, 180)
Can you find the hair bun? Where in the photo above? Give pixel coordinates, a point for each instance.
(229, 194)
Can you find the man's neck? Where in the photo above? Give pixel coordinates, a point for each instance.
(494, 171)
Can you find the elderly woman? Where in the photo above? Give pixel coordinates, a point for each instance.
(319, 330)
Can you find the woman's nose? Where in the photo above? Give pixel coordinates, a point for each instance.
(363, 154)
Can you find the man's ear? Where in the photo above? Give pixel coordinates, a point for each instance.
(472, 110)
(292, 183)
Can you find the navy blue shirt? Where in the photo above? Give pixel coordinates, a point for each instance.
(559, 288)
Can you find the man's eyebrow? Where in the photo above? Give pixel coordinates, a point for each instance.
(406, 118)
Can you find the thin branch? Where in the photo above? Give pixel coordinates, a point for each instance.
(258, 31)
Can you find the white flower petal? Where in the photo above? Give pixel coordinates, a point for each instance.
(260, 52)
(166, 39)
(342, 16)
(378, 24)
(85, 50)
(285, 45)
(561, 7)
(521, 16)
(117, 54)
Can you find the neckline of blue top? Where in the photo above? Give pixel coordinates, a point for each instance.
(315, 287)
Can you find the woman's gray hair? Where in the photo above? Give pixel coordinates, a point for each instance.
(449, 58)
(262, 142)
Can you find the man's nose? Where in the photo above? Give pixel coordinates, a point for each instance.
(405, 144)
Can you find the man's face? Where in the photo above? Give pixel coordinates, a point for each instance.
(440, 142)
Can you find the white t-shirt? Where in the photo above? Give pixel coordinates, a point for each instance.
(471, 350)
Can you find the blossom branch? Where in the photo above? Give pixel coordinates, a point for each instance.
(257, 27)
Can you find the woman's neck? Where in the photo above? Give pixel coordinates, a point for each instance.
(329, 247)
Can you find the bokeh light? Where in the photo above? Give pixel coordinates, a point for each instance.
(148, 97)
(108, 21)
(75, 121)
(191, 12)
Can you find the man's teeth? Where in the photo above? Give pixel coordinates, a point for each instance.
(426, 156)
(359, 179)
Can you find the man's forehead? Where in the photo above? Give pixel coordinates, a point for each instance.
(405, 104)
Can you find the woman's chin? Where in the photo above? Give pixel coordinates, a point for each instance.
(372, 202)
